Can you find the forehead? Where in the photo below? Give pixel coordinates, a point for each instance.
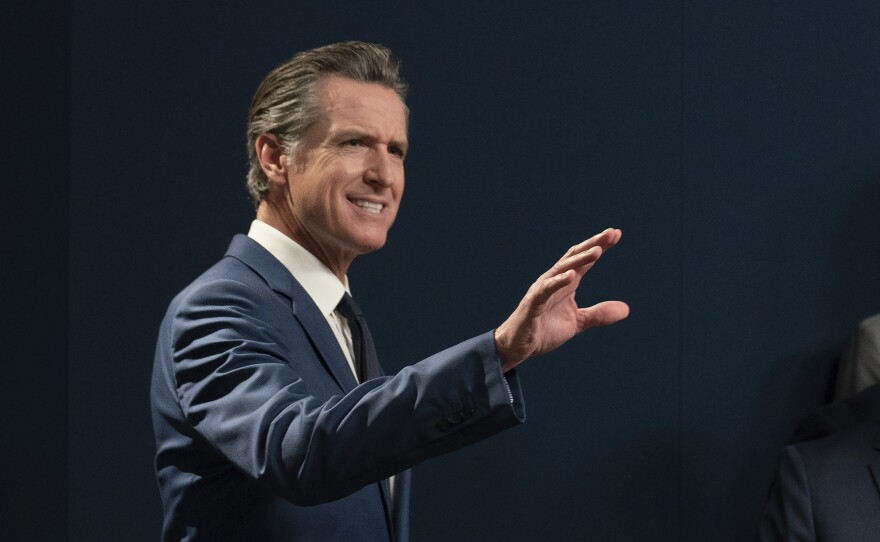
(366, 105)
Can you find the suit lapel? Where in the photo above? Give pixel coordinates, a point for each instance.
(303, 308)
(323, 340)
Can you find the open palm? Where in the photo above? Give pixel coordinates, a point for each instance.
(548, 314)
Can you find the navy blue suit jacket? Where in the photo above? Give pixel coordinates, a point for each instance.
(828, 489)
(262, 432)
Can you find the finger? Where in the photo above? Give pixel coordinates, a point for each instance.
(583, 262)
(575, 261)
(593, 241)
(551, 285)
(602, 314)
(604, 240)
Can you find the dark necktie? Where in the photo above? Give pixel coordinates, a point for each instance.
(366, 362)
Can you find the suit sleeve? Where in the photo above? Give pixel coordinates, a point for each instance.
(788, 515)
(238, 391)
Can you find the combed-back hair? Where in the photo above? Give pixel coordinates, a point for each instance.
(286, 103)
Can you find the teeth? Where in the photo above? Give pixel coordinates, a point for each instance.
(369, 206)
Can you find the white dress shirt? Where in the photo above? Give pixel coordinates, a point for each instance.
(325, 288)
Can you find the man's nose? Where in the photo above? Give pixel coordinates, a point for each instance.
(381, 171)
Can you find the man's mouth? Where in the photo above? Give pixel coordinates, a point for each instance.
(368, 206)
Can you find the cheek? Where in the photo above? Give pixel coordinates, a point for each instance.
(339, 179)
(310, 202)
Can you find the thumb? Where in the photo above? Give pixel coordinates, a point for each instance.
(602, 314)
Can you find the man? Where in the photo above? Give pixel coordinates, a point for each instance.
(828, 489)
(828, 484)
(272, 418)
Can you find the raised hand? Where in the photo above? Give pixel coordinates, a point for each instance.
(548, 315)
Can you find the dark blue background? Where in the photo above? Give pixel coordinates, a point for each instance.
(737, 144)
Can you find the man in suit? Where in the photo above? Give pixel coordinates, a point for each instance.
(273, 420)
(828, 489)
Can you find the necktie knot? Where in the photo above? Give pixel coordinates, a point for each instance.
(365, 362)
(348, 308)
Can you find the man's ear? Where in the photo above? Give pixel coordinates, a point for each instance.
(272, 158)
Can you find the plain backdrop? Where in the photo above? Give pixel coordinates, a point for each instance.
(736, 144)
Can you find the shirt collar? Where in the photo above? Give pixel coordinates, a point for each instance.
(325, 288)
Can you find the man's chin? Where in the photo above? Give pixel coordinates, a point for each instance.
(367, 242)
(372, 246)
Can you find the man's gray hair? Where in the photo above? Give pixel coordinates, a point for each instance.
(285, 103)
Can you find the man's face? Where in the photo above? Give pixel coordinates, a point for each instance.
(346, 178)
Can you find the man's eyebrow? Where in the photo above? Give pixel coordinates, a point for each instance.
(358, 133)
(347, 133)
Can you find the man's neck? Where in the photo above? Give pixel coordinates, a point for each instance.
(287, 225)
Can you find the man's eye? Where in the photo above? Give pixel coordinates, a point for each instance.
(397, 151)
(352, 143)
